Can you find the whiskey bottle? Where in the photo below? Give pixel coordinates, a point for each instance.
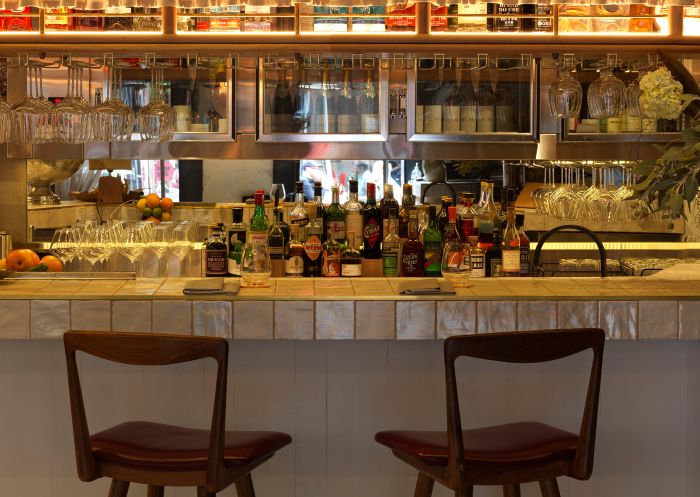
(390, 247)
(351, 260)
(353, 215)
(236, 236)
(294, 254)
(510, 247)
(477, 258)
(412, 253)
(215, 254)
(372, 231)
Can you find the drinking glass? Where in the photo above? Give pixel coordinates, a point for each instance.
(565, 96)
(156, 119)
(64, 245)
(95, 244)
(131, 243)
(159, 245)
(606, 95)
(113, 120)
(31, 118)
(456, 263)
(182, 242)
(5, 121)
(278, 187)
(255, 265)
(72, 117)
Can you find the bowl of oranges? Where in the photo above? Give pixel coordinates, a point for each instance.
(155, 209)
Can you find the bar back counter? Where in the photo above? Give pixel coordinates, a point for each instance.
(331, 362)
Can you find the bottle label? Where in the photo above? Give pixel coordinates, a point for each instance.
(466, 227)
(390, 264)
(369, 123)
(432, 256)
(236, 236)
(486, 120)
(354, 223)
(331, 264)
(234, 265)
(216, 262)
(347, 123)
(420, 111)
(432, 119)
(468, 118)
(478, 269)
(511, 262)
(294, 266)
(257, 237)
(372, 233)
(451, 119)
(524, 260)
(336, 230)
(411, 264)
(276, 251)
(351, 270)
(496, 268)
(313, 247)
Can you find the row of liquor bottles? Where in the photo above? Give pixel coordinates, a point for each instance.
(69, 19)
(408, 239)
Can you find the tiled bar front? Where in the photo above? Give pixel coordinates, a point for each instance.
(364, 309)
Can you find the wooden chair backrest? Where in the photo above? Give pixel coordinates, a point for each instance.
(526, 347)
(145, 350)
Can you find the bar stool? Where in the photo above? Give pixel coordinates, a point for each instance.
(160, 455)
(508, 454)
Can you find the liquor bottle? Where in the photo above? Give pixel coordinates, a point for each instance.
(259, 227)
(354, 217)
(445, 202)
(487, 210)
(510, 247)
(468, 110)
(477, 258)
(313, 248)
(302, 119)
(294, 254)
(348, 121)
(467, 226)
(432, 111)
(56, 20)
(504, 110)
(451, 118)
(432, 243)
(368, 24)
(388, 202)
(116, 23)
(331, 258)
(450, 234)
(412, 253)
(423, 216)
(351, 260)
(524, 245)
(486, 118)
(299, 215)
(284, 23)
(372, 221)
(282, 107)
(390, 247)
(325, 116)
(485, 240)
(335, 224)
(215, 254)
(408, 201)
(236, 237)
(276, 238)
(369, 106)
(421, 102)
(88, 23)
(320, 208)
(492, 251)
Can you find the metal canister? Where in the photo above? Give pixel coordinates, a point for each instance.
(5, 244)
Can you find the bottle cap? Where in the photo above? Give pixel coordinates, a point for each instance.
(408, 188)
(432, 211)
(238, 214)
(259, 197)
(371, 189)
(318, 189)
(452, 214)
(519, 219)
(353, 186)
(299, 187)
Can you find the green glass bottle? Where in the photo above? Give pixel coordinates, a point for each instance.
(432, 243)
(335, 218)
(258, 231)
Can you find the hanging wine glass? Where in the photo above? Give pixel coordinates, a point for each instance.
(157, 119)
(72, 117)
(113, 120)
(31, 118)
(565, 94)
(606, 95)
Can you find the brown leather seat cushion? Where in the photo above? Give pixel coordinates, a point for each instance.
(154, 446)
(514, 443)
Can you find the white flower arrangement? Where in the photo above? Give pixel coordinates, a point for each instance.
(662, 96)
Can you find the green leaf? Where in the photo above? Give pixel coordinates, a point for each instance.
(660, 148)
(674, 202)
(690, 189)
(644, 169)
(690, 136)
(678, 154)
(644, 184)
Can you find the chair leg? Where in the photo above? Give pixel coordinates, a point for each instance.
(203, 492)
(424, 486)
(118, 488)
(549, 488)
(244, 486)
(511, 490)
(465, 491)
(155, 491)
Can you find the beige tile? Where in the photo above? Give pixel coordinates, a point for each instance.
(537, 315)
(172, 316)
(91, 315)
(333, 287)
(577, 314)
(496, 316)
(172, 287)
(212, 318)
(28, 288)
(658, 319)
(618, 319)
(62, 287)
(456, 317)
(294, 320)
(253, 319)
(132, 316)
(15, 319)
(141, 286)
(49, 318)
(101, 287)
(415, 320)
(689, 320)
(372, 287)
(295, 287)
(335, 320)
(375, 320)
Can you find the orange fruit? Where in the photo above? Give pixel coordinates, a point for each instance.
(20, 260)
(153, 220)
(152, 200)
(34, 256)
(166, 217)
(53, 263)
(166, 204)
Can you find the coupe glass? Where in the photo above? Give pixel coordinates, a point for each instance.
(31, 118)
(156, 120)
(606, 95)
(456, 263)
(72, 117)
(255, 265)
(565, 96)
(113, 120)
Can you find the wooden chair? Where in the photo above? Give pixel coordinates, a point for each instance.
(508, 454)
(160, 455)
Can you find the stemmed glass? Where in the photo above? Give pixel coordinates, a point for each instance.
(131, 243)
(95, 244)
(565, 94)
(72, 117)
(64, 245)
(278, 187)
(159, 245)
(606, 95)
(113, 120)
(182, 242)
(156, 119)
(255, 264)
(31, 118)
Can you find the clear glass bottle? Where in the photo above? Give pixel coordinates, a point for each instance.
(390, 247)
(412, 252)
(351, 260)
(299, 215)
(432, 243)
(487, 210)
(325, 110)
(467, 226)
(335, 219)
(510, 247)
(486, 118)
(236, 237)
(353, 214)
(294, 254)
(369, 106)
(348, 121)
(388, 202)
(451, 120)
(302, 119)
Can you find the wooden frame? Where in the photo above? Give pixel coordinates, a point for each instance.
(154, 350)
